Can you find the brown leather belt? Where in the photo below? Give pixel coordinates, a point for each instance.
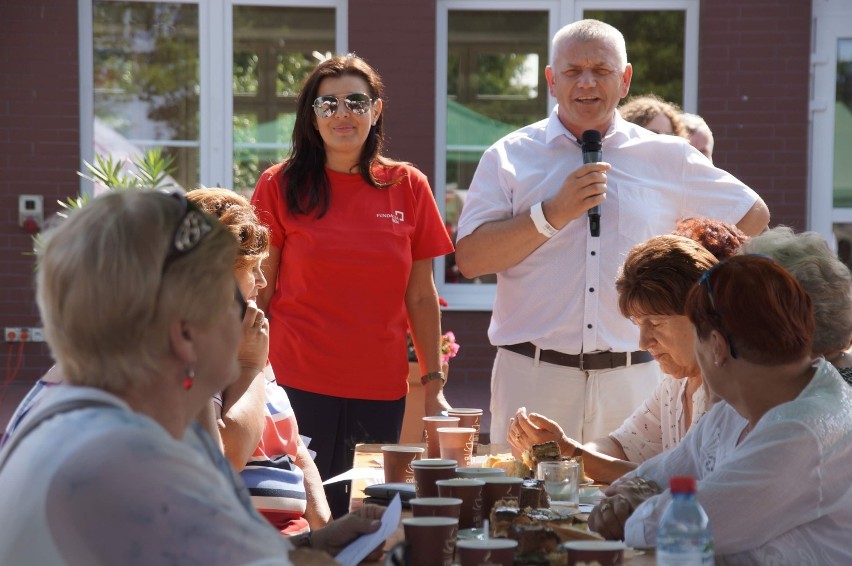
(591, 361)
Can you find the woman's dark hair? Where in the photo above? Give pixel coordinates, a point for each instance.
(658, 274)
(756, 304)
(306, 185)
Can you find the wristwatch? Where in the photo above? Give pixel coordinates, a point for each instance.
(432, 377)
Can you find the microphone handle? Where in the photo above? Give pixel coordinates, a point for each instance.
(594, 212)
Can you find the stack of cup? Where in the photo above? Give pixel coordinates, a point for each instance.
(470, 418)
(430, 427)
(397, 462)
(470, 492)
(430, 470)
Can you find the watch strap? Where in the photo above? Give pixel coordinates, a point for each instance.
(432, 376)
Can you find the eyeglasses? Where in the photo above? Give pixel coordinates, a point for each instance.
(191, 228)
(705, 281)
(357, 102)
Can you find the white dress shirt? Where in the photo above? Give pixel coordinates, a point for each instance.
(783, 495)
(562, 296)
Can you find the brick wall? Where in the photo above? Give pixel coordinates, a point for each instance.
(753, 91)
(39, 147)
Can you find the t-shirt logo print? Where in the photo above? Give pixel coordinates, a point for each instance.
(397, 216)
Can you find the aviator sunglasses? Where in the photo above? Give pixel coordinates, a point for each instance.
(357, 102)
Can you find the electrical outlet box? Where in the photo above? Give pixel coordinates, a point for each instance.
(36, 334)
(30, 207)
(13, 334)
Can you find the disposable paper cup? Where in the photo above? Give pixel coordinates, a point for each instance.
(492, 551)
(432, 540)
(479, 473)
(428, 471)
(470, 492)
(604, 552)
(497, 488)
(469, 418)
(430, 425)
(456, 443)
(397, 462)
(436, 507)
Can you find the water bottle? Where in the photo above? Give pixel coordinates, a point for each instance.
(684, 537)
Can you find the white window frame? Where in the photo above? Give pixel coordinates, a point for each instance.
(832, 21)
(216, 110)
(480, 297)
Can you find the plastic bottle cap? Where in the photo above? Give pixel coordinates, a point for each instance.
(682, 484)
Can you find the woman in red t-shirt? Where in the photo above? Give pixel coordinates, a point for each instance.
(353, 236)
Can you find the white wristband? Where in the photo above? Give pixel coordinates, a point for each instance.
(541, 224)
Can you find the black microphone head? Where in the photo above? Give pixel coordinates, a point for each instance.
(591, 140)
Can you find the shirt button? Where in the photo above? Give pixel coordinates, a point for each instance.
(593, 253)
(591, 289)
(588, 326)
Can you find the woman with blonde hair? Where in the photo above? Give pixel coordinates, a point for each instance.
(141, 312)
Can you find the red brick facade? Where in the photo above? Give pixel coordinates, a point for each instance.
(753, 91)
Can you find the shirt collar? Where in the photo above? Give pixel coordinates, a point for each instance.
(556, 128)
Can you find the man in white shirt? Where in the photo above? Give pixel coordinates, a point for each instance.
(565, 350)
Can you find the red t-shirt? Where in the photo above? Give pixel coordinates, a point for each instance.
(337, 317)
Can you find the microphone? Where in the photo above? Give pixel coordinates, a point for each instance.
(592, 154)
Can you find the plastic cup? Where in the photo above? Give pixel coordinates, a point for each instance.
(430, 426)
(492, 551)
(436, 507)
(428, 471)
(431, 540)
(469, 418)
(397, 462)
(561, 480)
(470, 492)
(456, 443)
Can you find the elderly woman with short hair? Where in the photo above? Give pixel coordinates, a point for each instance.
(772, 458)
(825, 278)
(141, 311)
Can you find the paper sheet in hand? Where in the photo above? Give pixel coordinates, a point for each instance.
(365, 544)
(372, 475)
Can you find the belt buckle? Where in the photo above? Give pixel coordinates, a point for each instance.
(580, 362)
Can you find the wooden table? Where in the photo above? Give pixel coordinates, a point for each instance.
(370, 456)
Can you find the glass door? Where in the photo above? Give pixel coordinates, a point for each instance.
(831, 145)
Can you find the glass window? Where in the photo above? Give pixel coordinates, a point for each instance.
(842, 189)
(655, 47)
(275, 49)
(146, 82)
(495, 84)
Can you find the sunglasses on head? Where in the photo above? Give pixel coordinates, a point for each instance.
(705, 282)
(191, 228)
(357, 102)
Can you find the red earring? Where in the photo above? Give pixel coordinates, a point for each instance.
(187, 383)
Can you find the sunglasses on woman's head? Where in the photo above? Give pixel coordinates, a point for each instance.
(704, 281)
(191, 228)
(357, 102)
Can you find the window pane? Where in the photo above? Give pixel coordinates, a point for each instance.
(146, 82)
(495, 84)
(843, 127)
(274, 51)
(655, 48)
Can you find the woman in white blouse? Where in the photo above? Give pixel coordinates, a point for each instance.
(652, 287)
